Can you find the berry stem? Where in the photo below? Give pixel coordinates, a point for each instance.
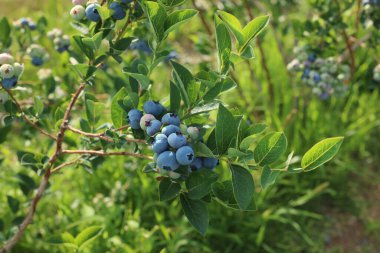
(104, 153)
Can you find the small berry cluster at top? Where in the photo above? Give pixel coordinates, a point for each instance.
(172, 141)
(60, 40)
(324, 75)
(10, 71)
(89, 9)
(376, 73)
(38, 54)
(371, 13)
(23, 23)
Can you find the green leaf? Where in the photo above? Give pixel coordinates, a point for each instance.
(199, 183)
(252, 30)
(168, 189)
(233, 25)
(268, 177)
(175, 97)
(223, 44)
(321, 153)
(196, 212)
(142, 79)
(177, 18)
(94, 42)
(157, 16)
(171, 3)
(38, 105)
(88, 235)
(13, 203)
(270, 148)
(94, 111)
(220, 87)
(122, 44)
(225, 129)
(84, 47)
(243, 186)
(5, 31)
(65, 239)
(131, 101)
(201, 150)
(118, 112)
(256, 129)
(182, 77)
(84, 71)
(224, 195)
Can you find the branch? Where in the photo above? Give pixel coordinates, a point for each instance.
(19, 108)
(103, 153)
(203, 18)
(102, 135)
(65, 164)
(350, 53)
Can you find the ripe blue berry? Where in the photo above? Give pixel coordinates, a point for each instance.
(185, 155)
(118, 11)
(167, 161)
(160, 144)
(154, 108)
(168, 130)
(37, 61)
(154, 127)
(134, 117)
(92, 13)
(312, 57)
(140, 45)
(171, 119)
(177, 140)
(9, 83)
(209, 162)
(126, 1)
(196, 164)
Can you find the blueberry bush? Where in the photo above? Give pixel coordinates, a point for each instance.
(208, 101)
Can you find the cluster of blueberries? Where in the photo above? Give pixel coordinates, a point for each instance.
(89, 9)
(60, 40)
(325, 76)
(10, 71)
(371, 14)
(171, 139)
(38, 54)
(23, 23)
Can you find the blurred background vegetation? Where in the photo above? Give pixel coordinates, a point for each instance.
(334, 209)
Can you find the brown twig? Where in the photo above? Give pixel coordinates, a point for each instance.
(103, 153)
(65, 164)
(19, 108)
(203, 18)
(41, 189)
(350, 53)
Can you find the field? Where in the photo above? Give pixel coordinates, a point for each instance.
(334, 208)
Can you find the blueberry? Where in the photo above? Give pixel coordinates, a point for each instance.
(18, 69)
(177, 140)
(305, 73)
(210, 162)
(196, 164)
(185, 155)
(37, 61)
(140, 45)
(118, 11)
(154, 108)
(62, 49)
(92, 13)
(145, 121)
(78, 12)
(9, 83)
(312, 57)
(126, 1)
(324, 96)
(32, 26)
(168, 130)
(171, 56)
(317, 77)
(6, 58)
(193, 132)
(154, 127)
(160, 144)
(6, 71)
(167, 161)
(171, 119)
(134, 117)
(24, 21)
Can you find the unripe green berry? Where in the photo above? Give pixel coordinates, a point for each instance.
(6, 71)
(18, 69)
(6, 58)
(78, 12)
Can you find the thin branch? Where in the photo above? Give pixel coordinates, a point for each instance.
(65, 164)
(350, 53)
(203, 18)
(104, 153)
(19, 108)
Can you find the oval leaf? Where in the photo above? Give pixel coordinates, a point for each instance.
(243, 186)
(321, 153)
(168, 189)
(270, 148)
(196, 212)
